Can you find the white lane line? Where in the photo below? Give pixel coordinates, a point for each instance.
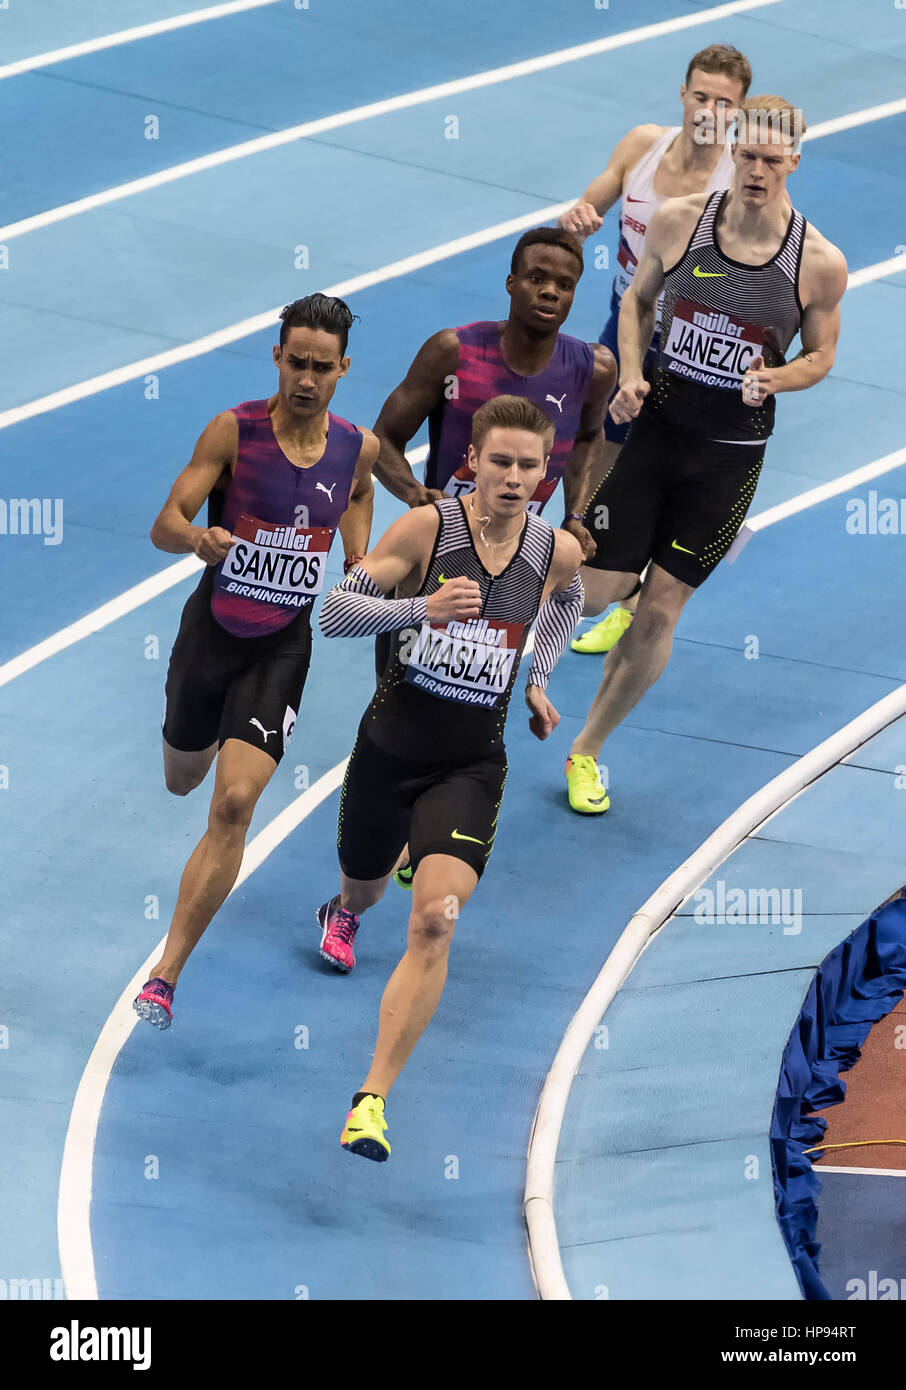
(857, 118)
(879, 271)
(824, 490)
(222, 337)
(183, 569)
(231, 334)
(653, 916)
(141, 31)
(374, 109)
(118, 607)
(76, 1171)
(100, 617)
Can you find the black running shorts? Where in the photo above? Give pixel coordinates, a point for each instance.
(439, 808)
(220, 686)
(674, 498)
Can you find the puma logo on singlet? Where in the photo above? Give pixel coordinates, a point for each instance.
(709, 274)
(324, 489)
(266, 732)
(558, 404)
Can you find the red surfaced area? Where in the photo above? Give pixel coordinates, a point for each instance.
(875, 1104)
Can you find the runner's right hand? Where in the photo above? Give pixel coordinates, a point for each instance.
(425, 496)
(456, 600)
(582, 220)
(213, 545)
(627, 403)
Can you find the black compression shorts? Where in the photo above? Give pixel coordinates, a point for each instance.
(674, 498)
(220, 686)
(439, 808)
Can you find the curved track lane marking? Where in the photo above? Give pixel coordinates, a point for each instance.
(75, 1189)
(652, 916)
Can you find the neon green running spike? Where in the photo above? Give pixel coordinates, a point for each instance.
(605, 634)
(587, 793)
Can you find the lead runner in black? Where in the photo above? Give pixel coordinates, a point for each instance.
(429, 762)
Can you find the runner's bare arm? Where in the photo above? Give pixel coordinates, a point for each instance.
(577, 474)
(557, 618)
(638, 311)
(173, 530)
(405, 411)
(355, 523)
(586, 215)
(822, 283)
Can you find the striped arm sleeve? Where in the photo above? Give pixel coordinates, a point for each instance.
(557, 617)
(356, 607)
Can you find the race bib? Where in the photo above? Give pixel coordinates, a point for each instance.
(275, 564)
(470, 663)
(462, 482)
(710, 348)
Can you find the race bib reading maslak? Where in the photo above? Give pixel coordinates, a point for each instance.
(469, 662)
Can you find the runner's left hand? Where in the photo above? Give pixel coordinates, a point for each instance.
(583, 536)
(758, 382)
(544, 717)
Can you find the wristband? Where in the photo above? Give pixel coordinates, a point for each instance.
(572, 516)
(351, 562)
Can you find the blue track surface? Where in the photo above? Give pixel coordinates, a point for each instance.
(259, 1199)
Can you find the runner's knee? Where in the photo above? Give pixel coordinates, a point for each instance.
(655, 617)
(181, 783)
(233, 804)
(431, 928)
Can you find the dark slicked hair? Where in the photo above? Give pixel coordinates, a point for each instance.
(547, 236)
(511, 413)
(318, 311)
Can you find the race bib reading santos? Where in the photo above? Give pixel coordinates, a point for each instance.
(710, 348)
(468, 662)
(275, 564)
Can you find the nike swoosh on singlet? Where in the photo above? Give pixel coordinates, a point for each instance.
(635, 200)
(455, 835)
(683, 548)
(441, 579)
(709, 274)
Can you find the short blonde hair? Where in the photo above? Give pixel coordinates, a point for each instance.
(768, 119)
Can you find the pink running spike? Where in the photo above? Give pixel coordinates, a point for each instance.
(338, 929)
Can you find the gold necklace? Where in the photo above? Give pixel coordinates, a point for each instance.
(482, 522)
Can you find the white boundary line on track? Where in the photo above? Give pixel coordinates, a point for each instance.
(140, 31)
(222, 337)
(544, 1249)
(291, 134)
(75, 1190)
(118, 607)
(823, 491)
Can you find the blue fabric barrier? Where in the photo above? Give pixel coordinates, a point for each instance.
(858, 983)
